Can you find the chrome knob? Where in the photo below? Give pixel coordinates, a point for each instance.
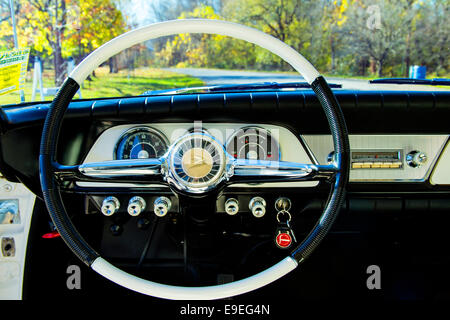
(136, 205)
(110, 206)
(416, 158)
(257, 206)
(231, 206)
(161, 206)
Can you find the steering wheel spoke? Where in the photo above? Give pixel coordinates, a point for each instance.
(259, 171)
(131, 171)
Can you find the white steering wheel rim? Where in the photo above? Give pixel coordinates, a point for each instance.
(173, 27)
(153, 31)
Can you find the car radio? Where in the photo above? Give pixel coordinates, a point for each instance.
(377, 159)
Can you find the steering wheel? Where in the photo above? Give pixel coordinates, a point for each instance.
(170, 168)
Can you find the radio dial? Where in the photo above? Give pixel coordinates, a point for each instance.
(416, 158)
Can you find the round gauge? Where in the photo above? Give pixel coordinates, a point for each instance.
(197, 160)
(141, 143)
(253, 143)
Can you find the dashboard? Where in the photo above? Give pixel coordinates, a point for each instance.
(399, 173)
(374, 158)
(378, 159)
(399, 140)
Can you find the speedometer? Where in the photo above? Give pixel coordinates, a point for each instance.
(254, 143)
(141, 143)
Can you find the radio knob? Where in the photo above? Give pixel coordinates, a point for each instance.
(110, 206)
(416, 158)
(231, 206)
(136, 205)
(257, 206)
(162, 206)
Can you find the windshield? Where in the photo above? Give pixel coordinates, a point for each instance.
(348, 41)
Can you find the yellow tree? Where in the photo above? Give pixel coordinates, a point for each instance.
(333, 19)
(93, 23)
(62, 28)
(191, 49)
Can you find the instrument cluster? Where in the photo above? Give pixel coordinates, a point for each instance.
(250, 142)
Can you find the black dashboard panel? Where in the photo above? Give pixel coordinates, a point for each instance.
(366, 111)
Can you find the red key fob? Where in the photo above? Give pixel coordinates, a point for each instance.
(284, 237)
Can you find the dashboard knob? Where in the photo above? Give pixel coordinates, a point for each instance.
(110, 206)
(136, 205)
(257, 206)
(161, 206)
(231, 206)
(416, 158)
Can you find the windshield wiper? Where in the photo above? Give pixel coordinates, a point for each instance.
(239, 87)
(429, 82)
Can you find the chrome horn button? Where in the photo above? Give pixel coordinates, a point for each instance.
(197, 163)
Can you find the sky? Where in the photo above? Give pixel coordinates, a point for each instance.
(140, 11)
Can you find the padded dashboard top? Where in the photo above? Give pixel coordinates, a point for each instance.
(370, 112)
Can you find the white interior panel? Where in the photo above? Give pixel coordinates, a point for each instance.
(441, 173)
(12, 267)
(431, 145)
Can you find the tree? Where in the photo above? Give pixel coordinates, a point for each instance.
(431, 39)
(50, 18)
(191, 49)
(342, 36)
(276, 17)
(376, 30)
(333, 18)
(64, 28)
(88, 33)
(300, 24)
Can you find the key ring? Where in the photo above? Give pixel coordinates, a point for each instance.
(284, 212)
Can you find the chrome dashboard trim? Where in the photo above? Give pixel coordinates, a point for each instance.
(293, 148)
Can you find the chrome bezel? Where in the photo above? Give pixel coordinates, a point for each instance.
(260, 129)
(137, 129)
(201, 187)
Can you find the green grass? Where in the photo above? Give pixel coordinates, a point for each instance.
(124, 83)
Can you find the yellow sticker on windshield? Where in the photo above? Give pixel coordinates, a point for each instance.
(13, 69)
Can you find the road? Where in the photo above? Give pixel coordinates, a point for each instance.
(216, 77)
